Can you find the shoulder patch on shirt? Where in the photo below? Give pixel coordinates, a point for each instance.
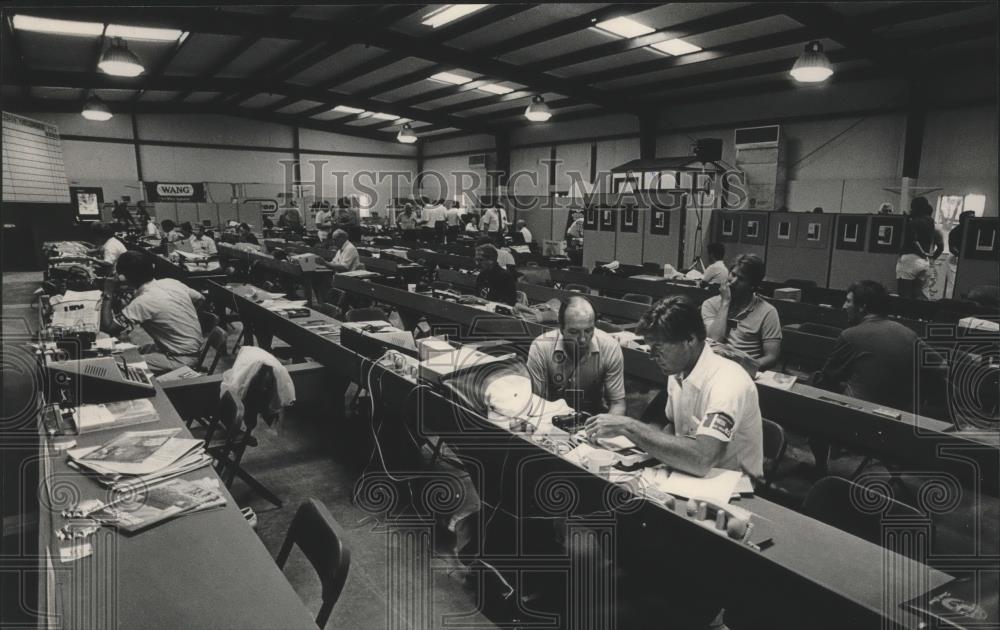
(720, 423)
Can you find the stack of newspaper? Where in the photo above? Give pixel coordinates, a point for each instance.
(143, 469)
(135, 459)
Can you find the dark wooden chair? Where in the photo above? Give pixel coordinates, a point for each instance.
(227, 435)
(774, 448)
(845, 505)
(216, 341)
(314, 531)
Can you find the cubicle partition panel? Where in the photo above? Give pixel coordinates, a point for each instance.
(166, 210)
(228, 212)
(250, 212)
(663, 232)
(187, 212)
(853, 258)
(798, 246)
(979, 258)
(631, 224)
(208, 212)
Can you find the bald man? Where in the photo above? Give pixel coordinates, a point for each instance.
(578, 363)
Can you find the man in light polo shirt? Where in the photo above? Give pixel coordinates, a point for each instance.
(740, 318)
(112, 247)
(712, 421)
(164, 308)
(578, 363)
(713, 416)
(346, 258)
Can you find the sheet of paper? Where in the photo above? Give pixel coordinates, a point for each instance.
(716, 487)
(616, 443)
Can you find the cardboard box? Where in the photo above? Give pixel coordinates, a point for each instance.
(788, 293)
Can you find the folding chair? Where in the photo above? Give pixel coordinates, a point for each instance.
(314, 531)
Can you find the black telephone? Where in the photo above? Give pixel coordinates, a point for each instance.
(571, 422)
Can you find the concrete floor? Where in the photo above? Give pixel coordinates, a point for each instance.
(312, 456)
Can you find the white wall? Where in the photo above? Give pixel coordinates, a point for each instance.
(253, 164)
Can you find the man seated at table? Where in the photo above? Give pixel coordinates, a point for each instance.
(494, 282)
(712, 414)
(578, 363)
(523, 234)
(874, 359)
(716, 272)
(291, 219)
(711, 420)
(245, 235)
(165, 309)
(171, 232)
(111, 248)
(504, 258)
(202, 243)
(740, 318)
(346, 257)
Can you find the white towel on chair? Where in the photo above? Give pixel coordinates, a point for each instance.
(237, 379)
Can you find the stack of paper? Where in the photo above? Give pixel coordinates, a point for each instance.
(776, 379)
(159, 503)
(139, 458)
(717, 487)
(127, 412)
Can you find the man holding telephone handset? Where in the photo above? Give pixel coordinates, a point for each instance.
(578, 363)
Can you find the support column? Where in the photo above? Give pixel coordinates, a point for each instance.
(647, 135)
(501, 173)
(913, 144)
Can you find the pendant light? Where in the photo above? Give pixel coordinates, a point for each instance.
(96, 109)
(406, 135)
(812, 66)
(538, 111)
(119, 61)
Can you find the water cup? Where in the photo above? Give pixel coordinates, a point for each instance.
(600, 462)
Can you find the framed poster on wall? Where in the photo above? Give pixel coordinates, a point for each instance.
(850, 232)
(886, 235)
(607, 218)
(729, 225)
(629, 219)
(659, 221)
(590, 218)
(87, 200)
(982, 240)
(754, 230)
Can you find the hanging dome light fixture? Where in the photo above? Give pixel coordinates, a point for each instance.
(538, 111)
(96, 109)
(406, 135)
(812, 66)
(119, 61)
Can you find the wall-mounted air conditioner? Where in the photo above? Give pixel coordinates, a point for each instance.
(757, 137)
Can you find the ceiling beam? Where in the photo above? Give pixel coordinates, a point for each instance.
(498, 70)
(20, 63)
(725, 19)
(162, 107)
(241, 47)
(559, 29)
(271, 68)
(911, 46)
(196, 84)
(479, 20)
(802, 35)
(161, 66)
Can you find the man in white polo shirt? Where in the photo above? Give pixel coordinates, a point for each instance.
(346, 257)
(712, 421)
(713, 416)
